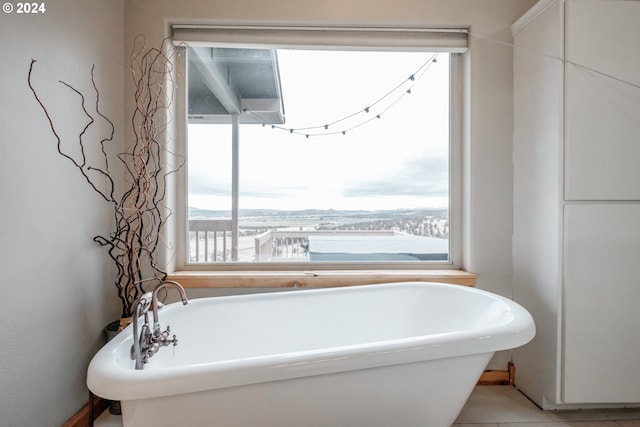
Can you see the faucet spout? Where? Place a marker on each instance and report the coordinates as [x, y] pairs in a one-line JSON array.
[[154, 301]]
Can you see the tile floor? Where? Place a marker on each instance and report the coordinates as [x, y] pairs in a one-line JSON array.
[[107, 420], [504, 406]]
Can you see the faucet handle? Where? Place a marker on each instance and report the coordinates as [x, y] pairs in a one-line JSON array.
[[161, 339], [145, 302]]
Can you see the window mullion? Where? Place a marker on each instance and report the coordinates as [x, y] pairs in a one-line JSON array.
[[235, 187]]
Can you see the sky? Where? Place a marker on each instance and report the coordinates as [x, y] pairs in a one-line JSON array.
[[397, 161]]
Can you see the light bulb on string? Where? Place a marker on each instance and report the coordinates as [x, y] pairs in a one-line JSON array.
[[412, 80]]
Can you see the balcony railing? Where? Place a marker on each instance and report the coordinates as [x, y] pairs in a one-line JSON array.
[[209, 240], [280, 245], [212, 240]]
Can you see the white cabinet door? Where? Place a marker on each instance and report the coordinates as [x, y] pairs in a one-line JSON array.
[[601, 303], [602, 138], [602, 96]]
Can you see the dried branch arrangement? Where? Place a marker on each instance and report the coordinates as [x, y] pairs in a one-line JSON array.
[[138, 197]]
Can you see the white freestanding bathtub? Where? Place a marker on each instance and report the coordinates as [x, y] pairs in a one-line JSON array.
[[402, 354]]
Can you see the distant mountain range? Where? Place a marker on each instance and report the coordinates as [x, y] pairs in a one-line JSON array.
[[207, 213]]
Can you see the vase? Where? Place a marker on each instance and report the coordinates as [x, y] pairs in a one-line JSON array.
[[110, 331]]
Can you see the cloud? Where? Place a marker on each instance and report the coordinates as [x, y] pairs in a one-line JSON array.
[[420, 177], [416, 179], [205, 187]]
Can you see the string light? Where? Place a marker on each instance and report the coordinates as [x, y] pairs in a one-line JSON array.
[[324, 130]]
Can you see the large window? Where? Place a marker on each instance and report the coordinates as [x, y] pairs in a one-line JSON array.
[[330, 156]]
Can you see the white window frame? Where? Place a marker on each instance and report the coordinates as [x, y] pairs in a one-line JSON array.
[[452, 40]]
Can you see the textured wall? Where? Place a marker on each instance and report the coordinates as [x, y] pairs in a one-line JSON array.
[[56, 290]]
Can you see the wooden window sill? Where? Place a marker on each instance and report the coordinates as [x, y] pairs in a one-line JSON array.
[[315, 279]]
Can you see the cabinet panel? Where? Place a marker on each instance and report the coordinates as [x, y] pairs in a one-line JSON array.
[[601, 296], [602, 147], [602, 100], [603, 36]]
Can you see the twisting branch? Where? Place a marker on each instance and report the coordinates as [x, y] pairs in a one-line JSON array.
[[138, 198]]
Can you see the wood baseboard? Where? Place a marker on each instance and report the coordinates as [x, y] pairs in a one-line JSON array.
[[496, 377], [88, 413]]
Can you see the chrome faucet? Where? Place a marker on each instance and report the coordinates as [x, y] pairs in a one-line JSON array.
[[140, 338], [154, 303], [146, 343]]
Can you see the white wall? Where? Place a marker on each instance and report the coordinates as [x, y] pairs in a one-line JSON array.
[[57, 292], [537, 157], [488, 180]]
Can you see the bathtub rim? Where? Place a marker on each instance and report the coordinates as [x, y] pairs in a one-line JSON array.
[[109, 379]]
